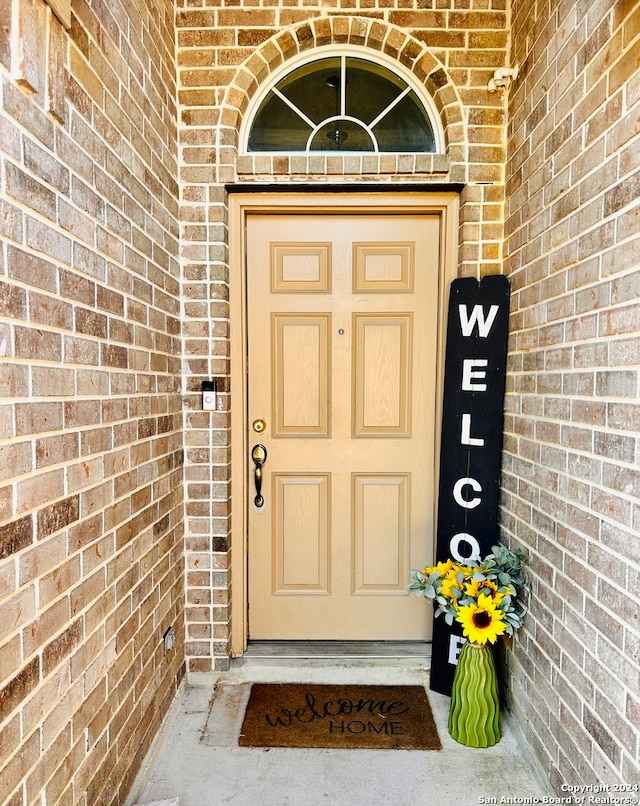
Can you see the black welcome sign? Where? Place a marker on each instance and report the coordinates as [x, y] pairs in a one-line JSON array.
[[475, 367]]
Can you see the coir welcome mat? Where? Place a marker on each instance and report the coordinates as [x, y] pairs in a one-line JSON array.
[[336, 716]]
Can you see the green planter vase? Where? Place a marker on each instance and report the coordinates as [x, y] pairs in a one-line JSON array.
[[474, 715]]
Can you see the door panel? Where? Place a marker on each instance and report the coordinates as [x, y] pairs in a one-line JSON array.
[[300, 534], [301, 383], [383, 267], [382, 375], [300, 267], [342, 334], [380, 534]]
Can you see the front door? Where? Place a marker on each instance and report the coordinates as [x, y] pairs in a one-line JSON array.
[[342, 319]]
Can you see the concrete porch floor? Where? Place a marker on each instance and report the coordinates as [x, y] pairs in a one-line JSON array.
[[196, 759]]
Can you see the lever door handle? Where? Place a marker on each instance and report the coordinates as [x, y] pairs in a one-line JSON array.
[[259, 456]]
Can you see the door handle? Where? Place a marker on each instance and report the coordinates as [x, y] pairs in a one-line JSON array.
[[259, 456]]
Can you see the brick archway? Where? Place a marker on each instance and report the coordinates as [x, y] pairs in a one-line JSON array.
[[371, 35]]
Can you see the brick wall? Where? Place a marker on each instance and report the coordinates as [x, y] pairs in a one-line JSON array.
[[91, 502], [92, 151], [571, 482], [225, 53]]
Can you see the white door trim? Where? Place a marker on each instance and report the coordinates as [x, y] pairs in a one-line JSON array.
[[240, 206]]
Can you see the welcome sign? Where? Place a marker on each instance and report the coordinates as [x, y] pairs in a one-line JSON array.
[[475, 368]]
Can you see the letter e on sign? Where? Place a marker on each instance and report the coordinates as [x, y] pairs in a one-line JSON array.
[[456, 643], [471, 376]]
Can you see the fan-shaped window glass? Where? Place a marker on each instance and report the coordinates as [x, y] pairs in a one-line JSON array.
[[341, 103]]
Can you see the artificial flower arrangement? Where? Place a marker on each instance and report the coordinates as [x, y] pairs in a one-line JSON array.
[[486, 599]]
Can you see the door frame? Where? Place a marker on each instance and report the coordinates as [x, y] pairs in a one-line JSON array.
[[241, 205]]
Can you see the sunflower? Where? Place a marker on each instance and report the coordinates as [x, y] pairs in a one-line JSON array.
[[448, 584], [482, 622], [468, 571], [442, 568], [487, 587]]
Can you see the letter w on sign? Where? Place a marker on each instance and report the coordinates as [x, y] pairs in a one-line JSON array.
[[474, 378]]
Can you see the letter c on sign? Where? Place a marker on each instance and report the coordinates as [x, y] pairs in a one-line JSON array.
[[472, 503]]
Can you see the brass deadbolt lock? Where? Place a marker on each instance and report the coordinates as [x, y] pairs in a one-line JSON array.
[[259, 426]]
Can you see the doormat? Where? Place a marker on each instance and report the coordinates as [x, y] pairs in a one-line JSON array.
[[342, 717]]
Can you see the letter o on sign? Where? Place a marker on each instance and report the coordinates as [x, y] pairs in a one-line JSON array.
[[463, 537]]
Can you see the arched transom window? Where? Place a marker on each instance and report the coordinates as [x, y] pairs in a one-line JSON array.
[[341, 103]]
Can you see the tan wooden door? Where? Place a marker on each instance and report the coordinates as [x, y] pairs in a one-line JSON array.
[[342, 327]]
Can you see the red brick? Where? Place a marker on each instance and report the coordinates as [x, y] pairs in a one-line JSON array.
[[56, 516], [30, 268], [5, 34], [61, 646], [28, 57], [28, 190], [16, 536], [36, 418], [15, 691]]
